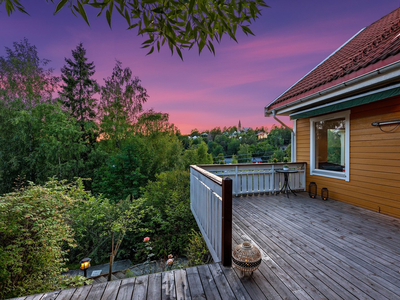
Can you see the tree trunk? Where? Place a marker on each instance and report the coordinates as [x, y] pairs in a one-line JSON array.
[[110, 269]]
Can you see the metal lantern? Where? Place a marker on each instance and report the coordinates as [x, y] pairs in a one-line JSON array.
[[312, 189], [246, 257], [324, 194], [85, 264]]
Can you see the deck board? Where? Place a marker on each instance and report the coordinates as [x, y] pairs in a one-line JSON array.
[[311, 249], [194, 282]]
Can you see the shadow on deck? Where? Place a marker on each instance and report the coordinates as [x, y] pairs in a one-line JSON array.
[[312, 249]]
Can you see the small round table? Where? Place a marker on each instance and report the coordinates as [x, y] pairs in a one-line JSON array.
[[286, 187]]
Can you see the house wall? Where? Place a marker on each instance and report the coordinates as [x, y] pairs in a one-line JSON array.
[[374, 159]]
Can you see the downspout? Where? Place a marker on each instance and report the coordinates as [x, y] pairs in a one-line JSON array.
[[293, 136]]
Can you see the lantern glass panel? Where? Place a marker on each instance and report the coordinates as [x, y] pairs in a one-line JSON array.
[[324, 194], [312, 190]]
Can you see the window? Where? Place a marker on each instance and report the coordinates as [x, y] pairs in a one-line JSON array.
[[329, 145]]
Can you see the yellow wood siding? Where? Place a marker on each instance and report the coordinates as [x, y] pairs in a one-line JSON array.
[[374, 159]]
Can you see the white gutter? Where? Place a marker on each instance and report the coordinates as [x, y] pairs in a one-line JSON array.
[[374, 78]]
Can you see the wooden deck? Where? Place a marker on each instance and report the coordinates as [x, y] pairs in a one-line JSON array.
[[311, 250]]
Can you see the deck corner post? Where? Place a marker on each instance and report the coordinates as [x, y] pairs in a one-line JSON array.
[[226, 246]]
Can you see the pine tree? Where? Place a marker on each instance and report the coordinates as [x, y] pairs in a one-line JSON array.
[[77, 93], [77, 97]]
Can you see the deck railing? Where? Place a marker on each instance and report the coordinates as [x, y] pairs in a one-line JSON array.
[[211, 205], [211, 189], [260, 178]]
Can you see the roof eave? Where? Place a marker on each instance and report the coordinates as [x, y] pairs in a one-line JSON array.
[[370, 80]]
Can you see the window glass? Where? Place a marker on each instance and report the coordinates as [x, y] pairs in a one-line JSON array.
[[330, 145]]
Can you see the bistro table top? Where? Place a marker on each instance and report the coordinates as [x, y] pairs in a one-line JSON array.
[[287, 171]]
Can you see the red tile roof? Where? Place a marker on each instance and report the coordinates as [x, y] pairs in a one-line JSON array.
[[374, 47]]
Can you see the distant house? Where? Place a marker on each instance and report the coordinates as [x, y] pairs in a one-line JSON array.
[[346, 115], [262, 135], [256, 160], [228, 161], [204, 134]]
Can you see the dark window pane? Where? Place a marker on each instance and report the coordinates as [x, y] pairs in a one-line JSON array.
[[330, 145]]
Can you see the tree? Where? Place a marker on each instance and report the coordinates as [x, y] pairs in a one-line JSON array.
[[182, 24], [38, 144], [234, 159], [197, 155], [194, 132], [244, 153], [24, 77], [122, 98], [77, 93], [77, 96], [214, 132], [124, 172], [36, 139]]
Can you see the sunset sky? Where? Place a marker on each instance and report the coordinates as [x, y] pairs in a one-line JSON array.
[[204, 91]]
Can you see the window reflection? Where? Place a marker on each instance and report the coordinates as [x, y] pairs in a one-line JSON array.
[[330, 145]]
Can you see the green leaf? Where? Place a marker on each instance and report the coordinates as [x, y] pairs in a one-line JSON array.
[[212, 47], [151, 51], [60, 5], [108, 17], [82, 12], [191, 5], [132, 26], [179, 52], [158, 10], [201, 45]]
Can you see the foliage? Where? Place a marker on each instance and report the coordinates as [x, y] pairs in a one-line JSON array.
[[24, 77], [278, 156], [244, 153], [37, 144], [182, 24], [197, 155], [79, 88], [33, 229], [124, 173], [121, 101], [234, 159], [74, 281], [197, 251], [169, 195]]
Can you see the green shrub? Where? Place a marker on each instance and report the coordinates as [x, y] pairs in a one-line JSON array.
[[170, 197], [33, 230], [75, 281], [197, 251]]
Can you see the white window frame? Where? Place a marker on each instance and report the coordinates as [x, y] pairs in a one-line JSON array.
[[326, 173]]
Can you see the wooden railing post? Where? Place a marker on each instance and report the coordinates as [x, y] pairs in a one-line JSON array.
[[226, 247]]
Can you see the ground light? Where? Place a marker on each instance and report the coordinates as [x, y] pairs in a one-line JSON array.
[[85, 264]]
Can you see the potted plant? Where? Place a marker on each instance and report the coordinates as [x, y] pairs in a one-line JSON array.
[[285, 167]]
